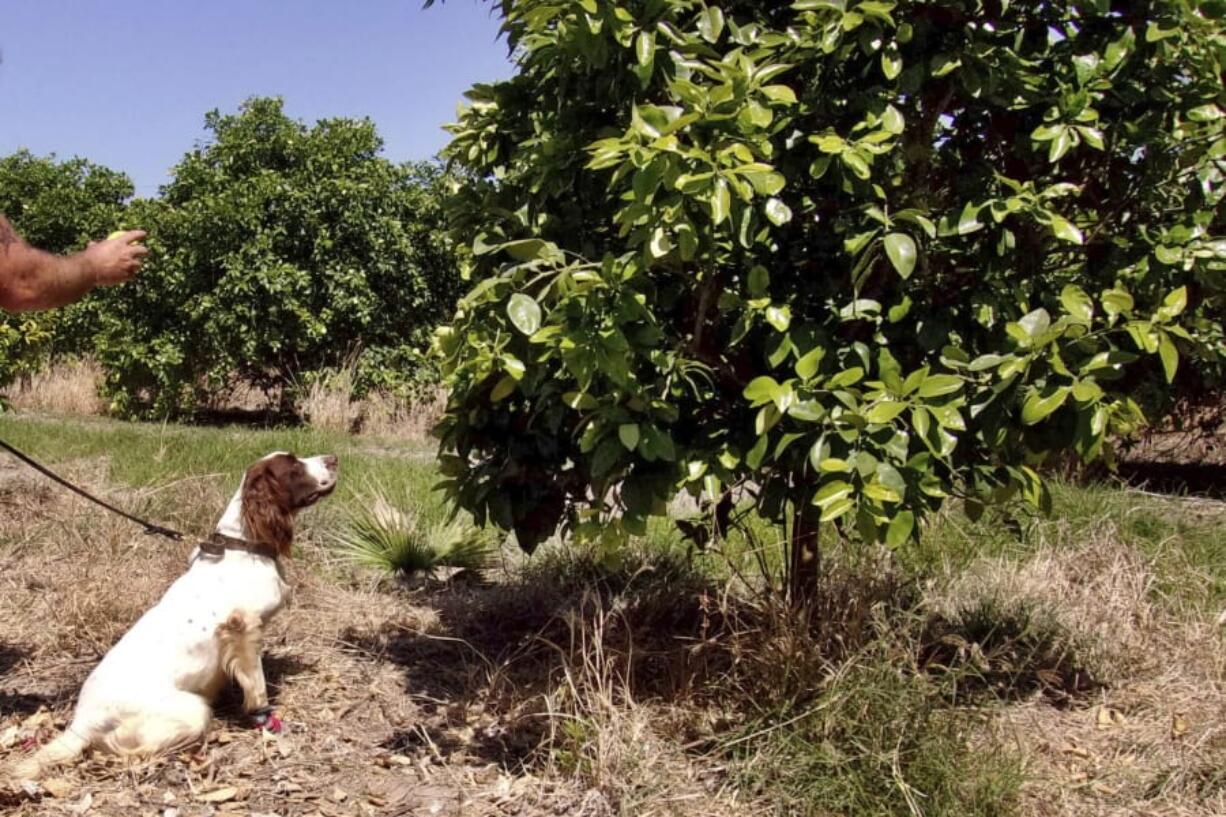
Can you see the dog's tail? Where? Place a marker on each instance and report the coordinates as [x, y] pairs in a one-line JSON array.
[[67, 746]]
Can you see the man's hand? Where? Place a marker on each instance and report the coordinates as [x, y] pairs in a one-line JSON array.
[[117, 259], [31, 279]]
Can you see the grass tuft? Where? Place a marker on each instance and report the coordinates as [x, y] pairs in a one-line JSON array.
[[397, 536]]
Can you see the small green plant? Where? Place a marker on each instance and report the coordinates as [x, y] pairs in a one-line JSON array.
[[392, 534]]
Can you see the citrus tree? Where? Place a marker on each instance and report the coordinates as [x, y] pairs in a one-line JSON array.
[[850, 258], [278, 250], [57, 206]]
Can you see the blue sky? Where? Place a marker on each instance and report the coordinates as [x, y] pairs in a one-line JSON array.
[[126, 83]]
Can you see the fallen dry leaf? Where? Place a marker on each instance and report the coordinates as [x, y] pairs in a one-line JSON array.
[[218, 795], [1074, 750], [58, 786], [83, 805], [1108, 717]]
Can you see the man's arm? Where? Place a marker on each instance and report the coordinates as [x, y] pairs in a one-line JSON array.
[[31, 279]]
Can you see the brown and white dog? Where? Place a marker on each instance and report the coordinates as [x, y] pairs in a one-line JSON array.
[[153, 691]]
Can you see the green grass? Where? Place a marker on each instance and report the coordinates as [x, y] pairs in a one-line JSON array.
[[877, 741], [151, 456], [1183, 541]]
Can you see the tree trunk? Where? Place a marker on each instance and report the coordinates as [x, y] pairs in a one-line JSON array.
[[805, 565]]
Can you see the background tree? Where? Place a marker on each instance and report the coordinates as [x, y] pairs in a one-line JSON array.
[[855, 258], [57, 206], [279, 250]]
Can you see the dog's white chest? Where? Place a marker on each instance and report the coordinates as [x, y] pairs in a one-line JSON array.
[[215, 588]]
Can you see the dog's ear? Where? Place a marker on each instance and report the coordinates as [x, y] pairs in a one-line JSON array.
[[267, 515]]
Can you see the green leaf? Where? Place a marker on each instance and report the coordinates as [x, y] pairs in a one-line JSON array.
[[985, 362], [779, 317], [528, 249], [660, 244], [892, 121], [628, 433], [900, 529], [759, 281], [605, 457], [1117, 302], [524, 313], [1035, 323], [833, 465], [847, 377], [645, 48], [768, 416], [1170, 357], [1065, 229], [885, 412], [780, 93], [1077, 303], [900, 248], [879, 492], [939, 385], [1060, 145], [761, 390], [711, 23], [503, 389], [778, 212], [819, 453], [968, 221], [721, 202], [580, 401], [1045, 133], [836, 509], [514, 366], [659, 444], [1175, 303], [855, 162], [1086, 391], [1092, 137], [832, 492], [807, 411], [891, 62], [754, 458], [1039, 405], [807, 365]]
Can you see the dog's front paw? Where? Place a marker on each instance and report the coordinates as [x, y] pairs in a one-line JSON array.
[[267, 720]]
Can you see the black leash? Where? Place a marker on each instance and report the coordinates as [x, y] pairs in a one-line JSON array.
[[149, 527]]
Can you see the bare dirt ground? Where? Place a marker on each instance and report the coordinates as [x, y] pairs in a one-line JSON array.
[[389, 707]]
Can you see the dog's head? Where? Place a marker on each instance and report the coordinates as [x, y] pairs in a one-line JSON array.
[[277, 487]]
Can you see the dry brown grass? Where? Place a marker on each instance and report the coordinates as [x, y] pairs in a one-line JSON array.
[[388, 708], [1152, 739], [71, 388], [65, 387], [329, 405], [555, 690]]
